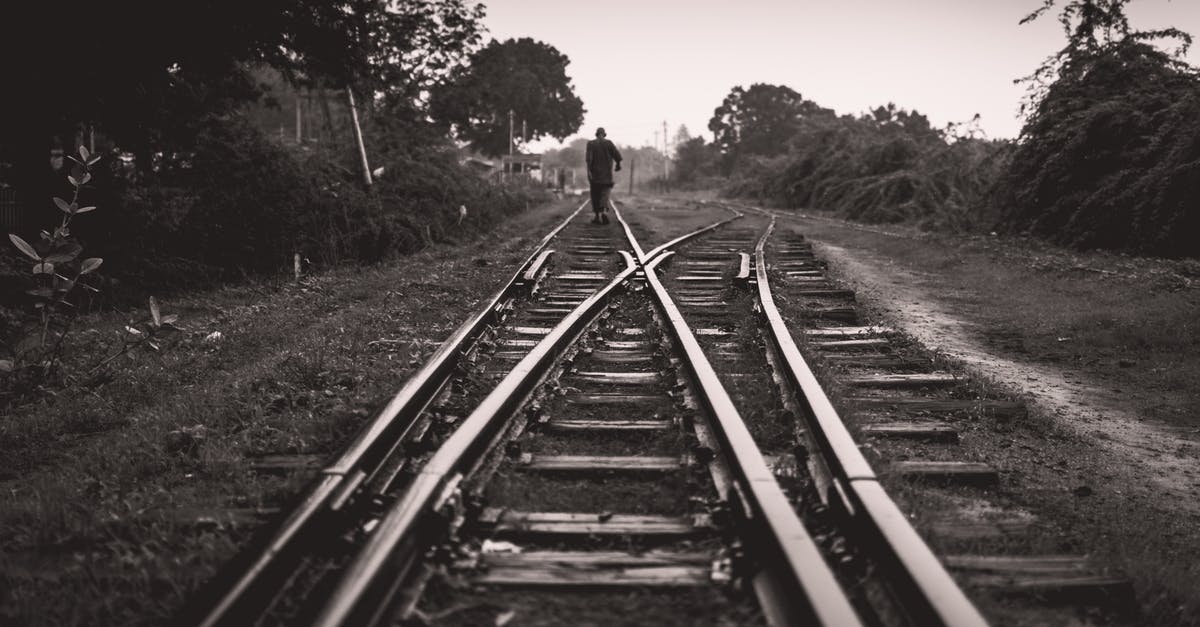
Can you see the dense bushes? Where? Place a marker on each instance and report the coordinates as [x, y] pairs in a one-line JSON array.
[[888, 166], [1111, 156], [242, 203]]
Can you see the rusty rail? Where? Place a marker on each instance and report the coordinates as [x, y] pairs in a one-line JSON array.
[[804, 589], [928, 593]]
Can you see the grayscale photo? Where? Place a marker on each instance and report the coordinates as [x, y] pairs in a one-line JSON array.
[[512, 313]]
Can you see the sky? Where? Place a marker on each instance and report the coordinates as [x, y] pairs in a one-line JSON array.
[[638, 63]]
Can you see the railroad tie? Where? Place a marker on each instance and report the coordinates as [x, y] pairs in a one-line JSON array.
[[1007, 409], [603, 463], [826, 293], [609, 424], [946, 472], [845, 332], [512, 523], [924, 431], [581, 277], [622, 356], [803, 273], [632, 345], [519, 330], [516, 342], [952, 529], [597, 569], [1061, 577], [895, 381], [617, 378], [841, 314], [871, 360]]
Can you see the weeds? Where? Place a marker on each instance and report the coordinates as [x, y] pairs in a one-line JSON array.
[[56, 271]]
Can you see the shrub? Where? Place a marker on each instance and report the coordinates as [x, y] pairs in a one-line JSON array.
[[241, 204], [1111, 156], [888, 166]]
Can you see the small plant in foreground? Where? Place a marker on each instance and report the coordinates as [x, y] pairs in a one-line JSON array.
[[57, 271], [147, 333]]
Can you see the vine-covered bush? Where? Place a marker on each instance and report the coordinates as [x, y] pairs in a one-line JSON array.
[[1111, 156], [888, 166]]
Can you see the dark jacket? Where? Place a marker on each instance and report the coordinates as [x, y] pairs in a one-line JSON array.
[[601, 155]]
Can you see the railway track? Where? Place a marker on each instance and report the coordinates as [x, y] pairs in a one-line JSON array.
[[603, 444]]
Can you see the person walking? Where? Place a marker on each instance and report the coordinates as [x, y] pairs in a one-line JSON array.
[[601, 156]]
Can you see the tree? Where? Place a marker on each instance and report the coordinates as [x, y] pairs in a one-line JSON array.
[[1092, 27], [155, 70], [693, 159], [415, 45], [682, 135], [1109, 155], [759, 120], [524, 76]]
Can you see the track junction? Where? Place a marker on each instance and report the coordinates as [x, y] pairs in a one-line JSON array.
[[631, 435]]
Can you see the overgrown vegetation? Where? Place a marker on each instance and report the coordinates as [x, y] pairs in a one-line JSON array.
[[1109, 156], [887, 166], [193, 187], [246, 204]]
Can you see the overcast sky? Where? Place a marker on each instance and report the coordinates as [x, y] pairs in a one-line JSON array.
[[636, 63]]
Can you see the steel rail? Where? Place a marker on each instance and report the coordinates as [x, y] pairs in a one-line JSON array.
[[357, 463], [361, 596], [644, 257], [394, 540], [927, 592], [811, 593]]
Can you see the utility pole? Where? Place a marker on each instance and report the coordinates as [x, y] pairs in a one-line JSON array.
[[632, 169], [666, 155], [510, 132], [299, 115], [362, 149]]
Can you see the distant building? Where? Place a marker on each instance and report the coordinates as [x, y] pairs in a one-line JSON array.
[[522, 165]]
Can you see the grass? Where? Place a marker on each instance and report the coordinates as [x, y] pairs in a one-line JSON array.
[[120, 499]]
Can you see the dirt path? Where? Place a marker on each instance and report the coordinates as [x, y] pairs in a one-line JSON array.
[[1168, 456]]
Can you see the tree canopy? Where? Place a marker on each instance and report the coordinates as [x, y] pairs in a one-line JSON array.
[[524, 76], [753, 121], [145, 73]]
